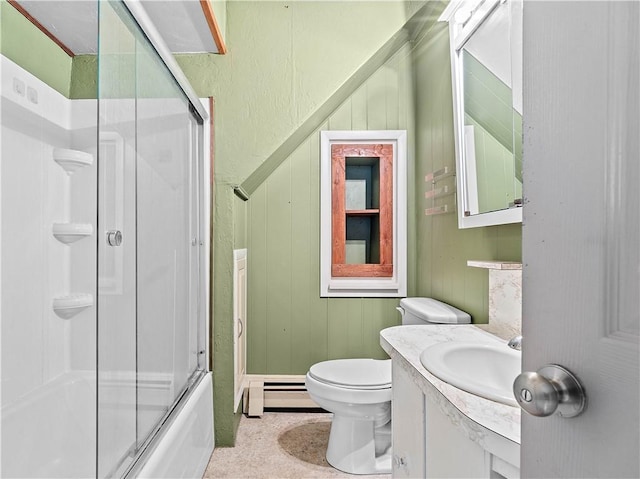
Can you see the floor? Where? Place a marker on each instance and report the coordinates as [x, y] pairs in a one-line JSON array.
[[278, 445]]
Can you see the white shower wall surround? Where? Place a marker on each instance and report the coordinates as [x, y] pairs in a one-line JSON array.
[[36, 193], [66, 406], [48, 364]]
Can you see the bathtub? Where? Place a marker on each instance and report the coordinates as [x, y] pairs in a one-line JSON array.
[[52, 433], [186, 444]]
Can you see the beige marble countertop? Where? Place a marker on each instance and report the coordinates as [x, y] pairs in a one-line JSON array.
[[501, 265], [476, 414]]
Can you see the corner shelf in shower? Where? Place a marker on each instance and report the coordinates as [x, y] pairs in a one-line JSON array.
[[68, 306], [71, 232], [72, 160]]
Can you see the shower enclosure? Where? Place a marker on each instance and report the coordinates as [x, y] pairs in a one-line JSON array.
[[103, 301]]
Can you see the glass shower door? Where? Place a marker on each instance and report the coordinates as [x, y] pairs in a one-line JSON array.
[[168, 241], [117, 253], [150, 322]]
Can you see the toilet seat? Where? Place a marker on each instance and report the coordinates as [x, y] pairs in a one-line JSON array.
[[358, 393], [360, 374]]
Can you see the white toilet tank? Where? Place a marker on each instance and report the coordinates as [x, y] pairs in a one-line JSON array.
[[428, 310]]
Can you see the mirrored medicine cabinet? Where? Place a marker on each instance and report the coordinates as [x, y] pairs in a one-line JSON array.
[[486, 67]]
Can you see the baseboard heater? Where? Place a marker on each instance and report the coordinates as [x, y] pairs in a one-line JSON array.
[[272, 391]]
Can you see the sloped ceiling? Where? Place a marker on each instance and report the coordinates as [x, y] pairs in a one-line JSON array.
[[182, 25], [73, 23]]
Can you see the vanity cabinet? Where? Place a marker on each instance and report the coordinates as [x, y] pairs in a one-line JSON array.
[[407, 423], [426, 443], [449, 453], [440, 431], [429, 443]]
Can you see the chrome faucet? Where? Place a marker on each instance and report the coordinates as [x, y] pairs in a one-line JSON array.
[[515, 343]]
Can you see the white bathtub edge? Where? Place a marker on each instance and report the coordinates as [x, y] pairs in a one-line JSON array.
[[185, 448]]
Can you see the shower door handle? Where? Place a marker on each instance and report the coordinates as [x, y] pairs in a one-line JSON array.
[[114, 238]]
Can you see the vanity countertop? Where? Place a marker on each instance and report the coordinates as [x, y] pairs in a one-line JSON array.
[[405, 344]]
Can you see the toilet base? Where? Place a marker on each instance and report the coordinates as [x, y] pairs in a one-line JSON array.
[[356, 446]]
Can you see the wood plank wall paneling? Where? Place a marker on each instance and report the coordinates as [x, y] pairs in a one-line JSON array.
[[257, 279], [359, 109], [406, 116], [341, 118], [290, 327], [318, 324], [301, 280], [279, 267], [392, 100]]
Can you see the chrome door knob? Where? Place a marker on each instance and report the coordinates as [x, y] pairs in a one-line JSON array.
[[552, 389], [114, 238]]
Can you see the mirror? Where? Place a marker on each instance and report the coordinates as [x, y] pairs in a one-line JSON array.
[[487, 72]]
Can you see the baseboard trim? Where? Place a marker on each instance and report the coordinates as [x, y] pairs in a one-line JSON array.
[[272, 391]]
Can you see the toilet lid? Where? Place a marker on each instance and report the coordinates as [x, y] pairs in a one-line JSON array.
[[354, 373]]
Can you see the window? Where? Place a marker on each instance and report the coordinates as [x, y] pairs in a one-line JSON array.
[[363, 213]]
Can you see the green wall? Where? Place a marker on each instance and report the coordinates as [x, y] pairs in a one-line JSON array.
[[285, 59], [289, 326], [84, 77], [498, 185], [442, 248], [27, 46]]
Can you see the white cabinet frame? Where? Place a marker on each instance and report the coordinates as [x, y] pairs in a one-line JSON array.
[[396, 285]]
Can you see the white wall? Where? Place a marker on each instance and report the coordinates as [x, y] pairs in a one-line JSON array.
[[35, 267], [82, 209]]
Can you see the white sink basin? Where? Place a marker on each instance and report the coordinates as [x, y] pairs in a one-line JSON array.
[[486, 370]]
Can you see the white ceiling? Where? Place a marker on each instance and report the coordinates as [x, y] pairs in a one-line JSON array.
[[181, 23], [74, 23]]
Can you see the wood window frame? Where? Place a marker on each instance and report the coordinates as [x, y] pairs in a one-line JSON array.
[[340, 152], [387, 277]]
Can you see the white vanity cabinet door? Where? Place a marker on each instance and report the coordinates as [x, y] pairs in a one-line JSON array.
[[407, 425], [449, 452]]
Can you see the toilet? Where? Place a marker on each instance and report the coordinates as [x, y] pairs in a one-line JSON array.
[[358, 393]]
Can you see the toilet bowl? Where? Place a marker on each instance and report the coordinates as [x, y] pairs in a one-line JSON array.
[[358, 393]]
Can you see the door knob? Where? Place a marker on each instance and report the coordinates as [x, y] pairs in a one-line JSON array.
[[549, 390], [114, 238]]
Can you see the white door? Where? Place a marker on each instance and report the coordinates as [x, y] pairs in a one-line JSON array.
[[581, 236], [239, 324]]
